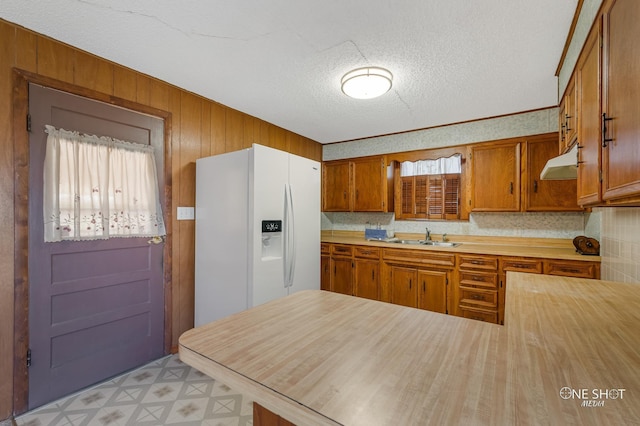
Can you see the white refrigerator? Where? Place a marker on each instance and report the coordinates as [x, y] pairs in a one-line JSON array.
[[257, 224]]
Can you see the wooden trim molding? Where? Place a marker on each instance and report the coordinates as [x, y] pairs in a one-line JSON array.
[[21, 80]]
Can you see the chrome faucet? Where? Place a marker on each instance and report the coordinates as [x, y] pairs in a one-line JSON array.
[[428, 235]]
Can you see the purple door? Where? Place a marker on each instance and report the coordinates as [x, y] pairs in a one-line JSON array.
[[96, 308]]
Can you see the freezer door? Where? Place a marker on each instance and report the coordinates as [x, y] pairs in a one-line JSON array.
[[304, 182], [269, 181], [222, 239]]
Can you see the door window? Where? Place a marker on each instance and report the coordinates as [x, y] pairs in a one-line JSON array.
[[99, 188]]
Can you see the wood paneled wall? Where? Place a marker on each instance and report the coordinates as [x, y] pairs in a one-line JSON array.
[[198, 127]]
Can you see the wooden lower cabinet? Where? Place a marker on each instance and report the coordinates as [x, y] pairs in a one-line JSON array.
[[421, 279], [402, 284], [325, 266], [419, 288], [432, 290], [478, 287], [418, 279], [342, 269], [264, 417], [366, 272], [572, 269]]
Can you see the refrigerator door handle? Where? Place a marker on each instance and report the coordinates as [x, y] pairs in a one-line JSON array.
[[292, 238], [285, 239], [289, 237]]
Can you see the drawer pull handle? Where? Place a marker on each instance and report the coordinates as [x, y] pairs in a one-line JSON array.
[[477, 262], [573, 271], [477, 297], [476, 278], [478, 318]]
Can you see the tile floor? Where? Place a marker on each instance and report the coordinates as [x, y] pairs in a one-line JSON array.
[[164, 392]]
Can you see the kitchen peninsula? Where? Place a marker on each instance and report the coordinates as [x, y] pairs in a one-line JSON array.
[[317, 357]]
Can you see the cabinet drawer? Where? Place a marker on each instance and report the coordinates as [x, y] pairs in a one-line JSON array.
[[485, 263], [533, 266], [341, 250], [419, 257], [479, 298], [367, 252], [325, 248], [478, 279], [479, 315], [571, 269]]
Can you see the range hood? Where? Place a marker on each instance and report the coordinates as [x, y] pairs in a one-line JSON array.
[[564, 166]]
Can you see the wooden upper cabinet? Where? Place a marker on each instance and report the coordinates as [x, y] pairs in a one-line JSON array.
[[369, 184], [336, 188], [589, 124], [359, 185], [568, 117], [546, 195], [496, 177], [620, 105]]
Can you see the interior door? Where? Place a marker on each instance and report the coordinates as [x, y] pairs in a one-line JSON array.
[[96, 308]]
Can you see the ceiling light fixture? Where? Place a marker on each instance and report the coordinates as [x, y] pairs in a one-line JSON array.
[[366, 83]]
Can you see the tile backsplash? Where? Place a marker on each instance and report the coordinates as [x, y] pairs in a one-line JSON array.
[[538, 225], [620, 243]]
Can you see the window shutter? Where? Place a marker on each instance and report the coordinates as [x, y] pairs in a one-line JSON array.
[[407, 197], [436, 197], [421, 194], [451, 196]]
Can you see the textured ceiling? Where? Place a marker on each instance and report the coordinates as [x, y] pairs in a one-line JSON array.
[[282, 61]]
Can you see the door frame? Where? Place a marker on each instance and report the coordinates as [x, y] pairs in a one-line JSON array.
[[21, 80]]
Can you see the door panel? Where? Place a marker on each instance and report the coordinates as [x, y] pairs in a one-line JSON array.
[[96, 308], [621, 90]]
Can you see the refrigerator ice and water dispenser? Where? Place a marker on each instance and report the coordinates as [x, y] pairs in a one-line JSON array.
[[271, 239]]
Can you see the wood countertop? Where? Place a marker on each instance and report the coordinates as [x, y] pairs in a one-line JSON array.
[[520, 247], [576, 335], [321, 358]]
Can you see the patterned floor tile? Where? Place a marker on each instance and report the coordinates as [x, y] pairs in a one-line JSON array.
[[164, 392]]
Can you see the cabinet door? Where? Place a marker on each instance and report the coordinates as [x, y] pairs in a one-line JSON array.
[[432, 288], [547, 195], [325, 272], [496, 177], [369, 185], [336, 194], [621, 68], [342, 279], [367, 278], [404, 289], [589, 124], [570, 116]]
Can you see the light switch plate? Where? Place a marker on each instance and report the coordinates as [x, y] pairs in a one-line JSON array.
[[186, 213]]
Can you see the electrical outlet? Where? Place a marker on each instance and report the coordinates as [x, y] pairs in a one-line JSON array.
[[186, 213]]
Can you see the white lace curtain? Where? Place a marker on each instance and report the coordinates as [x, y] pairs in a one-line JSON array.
[[98, 188], [441, 166]]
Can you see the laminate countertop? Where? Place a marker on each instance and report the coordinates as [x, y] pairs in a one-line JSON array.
[[542, 248], [321, 358]]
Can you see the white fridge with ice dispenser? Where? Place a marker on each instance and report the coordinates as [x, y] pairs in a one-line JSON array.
[[257, 226]]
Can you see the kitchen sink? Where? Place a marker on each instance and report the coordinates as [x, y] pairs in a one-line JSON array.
[[440, 243], [417, 242]]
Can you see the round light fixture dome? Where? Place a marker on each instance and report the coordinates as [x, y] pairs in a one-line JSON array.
[[366, 83]]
